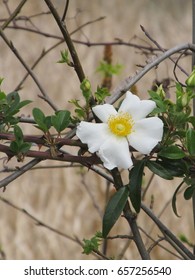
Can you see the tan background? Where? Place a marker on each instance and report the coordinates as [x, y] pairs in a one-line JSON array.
[[59, 197]]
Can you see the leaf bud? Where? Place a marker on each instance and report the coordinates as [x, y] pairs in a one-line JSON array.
[[191, 79]]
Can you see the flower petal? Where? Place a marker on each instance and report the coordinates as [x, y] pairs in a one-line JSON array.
[[104, 111], [147, 133], [137, 108], [115, 153], [94, 135]]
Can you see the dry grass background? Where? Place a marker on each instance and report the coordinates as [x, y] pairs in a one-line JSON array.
[[59, 197]]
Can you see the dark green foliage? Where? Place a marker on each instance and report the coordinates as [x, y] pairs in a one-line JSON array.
[[114, 209]]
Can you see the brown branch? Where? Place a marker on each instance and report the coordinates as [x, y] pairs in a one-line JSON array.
[[131, 218], [127, 83], [40, 140], [77, 65], [14, 14], [170, 237], [28, 69], [86, 161], [160, 48]]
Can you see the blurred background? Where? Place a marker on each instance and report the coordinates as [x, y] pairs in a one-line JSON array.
[[70, 199]]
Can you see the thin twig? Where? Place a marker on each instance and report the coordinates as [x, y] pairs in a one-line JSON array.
[[31, 73], [75, 239], [18, 173], [160, 245], [127, 83], [167, 233], [77, 65], [131, 218], [65, 10], [88, 189], [14, 14], [162, 49]]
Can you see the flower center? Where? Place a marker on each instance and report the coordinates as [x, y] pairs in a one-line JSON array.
[[121, 124]]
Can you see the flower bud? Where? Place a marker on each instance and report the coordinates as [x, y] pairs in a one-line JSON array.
[[85, 85], [191, 79], [184, 100], [160, 91]]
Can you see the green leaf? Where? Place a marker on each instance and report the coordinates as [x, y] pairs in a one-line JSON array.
[[14, 147], [91, 244], [177, 168], [61, 120], [18, 134], [23, 103], [39, 118], [189, 192], [13, 100], [114, 209], [25, 147], [190, 141], [135, 177], [101, 94], [161, 104], [174, 207], [2, 95], [159, 170], [108, 69], [172, 152]]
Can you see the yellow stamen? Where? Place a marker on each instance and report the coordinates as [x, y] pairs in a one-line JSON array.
[[121, 124]]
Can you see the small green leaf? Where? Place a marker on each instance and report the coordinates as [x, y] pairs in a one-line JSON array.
[[109, 69], [18, 134], [135, 177], [39, 118], [2, 95], [23, 103], [189, 192], [65, 58], [101, 94], [190, 141], [61, 120], [14, 147], [91, 244], [159, 170], [176, 167], [13, 100], [114, 209], [172, 152], [25, 147]]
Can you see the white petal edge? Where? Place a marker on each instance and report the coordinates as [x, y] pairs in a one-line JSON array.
[[137, 108], [103, 112], [147, 133], [92, 134], [115, 153]]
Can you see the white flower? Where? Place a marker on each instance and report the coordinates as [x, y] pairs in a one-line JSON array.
[[111, 138]]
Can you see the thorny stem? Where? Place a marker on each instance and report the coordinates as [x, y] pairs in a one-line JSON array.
[[131, 218]]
